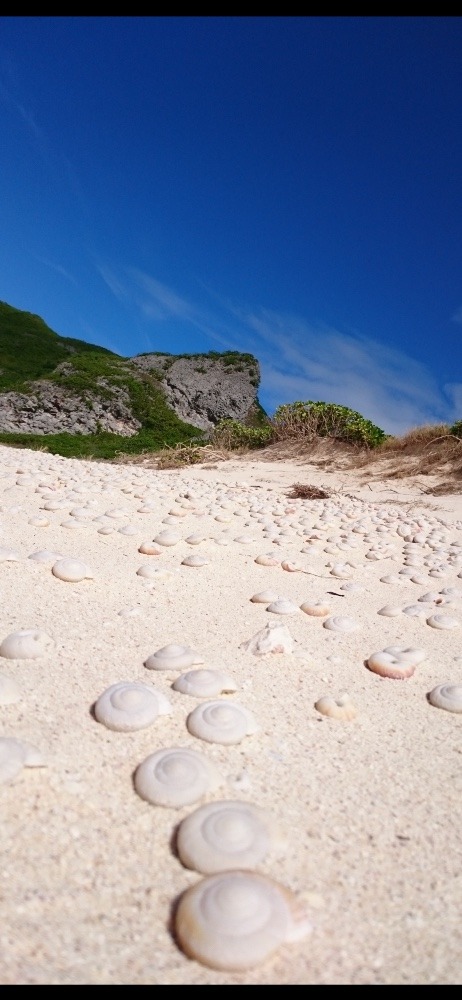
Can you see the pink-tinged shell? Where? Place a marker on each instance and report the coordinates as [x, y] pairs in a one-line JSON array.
[[315, 608], [394, 662], [235, 920], [267, 560], [336, 708]]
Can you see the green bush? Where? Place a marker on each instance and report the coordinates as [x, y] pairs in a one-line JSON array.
[[319, 419], [232, 434], [456, 429]]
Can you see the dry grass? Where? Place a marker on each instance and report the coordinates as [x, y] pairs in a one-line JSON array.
[[305, 491], [176, 457], [424, 451]]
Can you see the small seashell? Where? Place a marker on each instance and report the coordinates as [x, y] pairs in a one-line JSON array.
[[27, 644], [222, 722], [352, 588], [443, 622], [340, 708], [341, 624], [195, 561], [45, 556], [342, 570], [39, 522], [390, 610], [14, 755], [273, 638], [150, 549], [71, 570], [171, 657], [291, 567], [447, 696], [414, 611], [195, 539], [396, 662], [167, 538], [267, 560], [224, 835], [205, 683], [10, 692], [235, 920], [128, 706], [9, 555], [264, 597], [315, 608], [175, 777], [433, 597], [283, 607]]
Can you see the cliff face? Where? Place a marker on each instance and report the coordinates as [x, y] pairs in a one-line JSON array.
[[203, 389]]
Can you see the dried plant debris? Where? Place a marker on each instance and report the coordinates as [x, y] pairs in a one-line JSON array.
[[306, 491]]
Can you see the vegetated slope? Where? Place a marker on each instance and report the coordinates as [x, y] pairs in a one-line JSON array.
[[76, 398]]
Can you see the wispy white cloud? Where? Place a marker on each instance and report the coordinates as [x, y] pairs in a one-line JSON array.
[[302, 361], [58, 268], [386, 385]]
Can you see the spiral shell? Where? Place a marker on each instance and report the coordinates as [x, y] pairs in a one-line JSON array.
[[447, 696], [221, 722], [71, 570], [175, 777], [340, 708], [235, 920], [283, 607], [443, 622], [194, 561], [171, 657], [340, 624], [128, 706], [223, 835], [264, 597], [27, 644], [205, 683]]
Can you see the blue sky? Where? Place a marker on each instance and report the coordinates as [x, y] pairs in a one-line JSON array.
[[291, 187]]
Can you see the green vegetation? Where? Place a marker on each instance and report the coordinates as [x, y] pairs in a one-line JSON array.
[[456, 429], [319, 419], [232, 434]]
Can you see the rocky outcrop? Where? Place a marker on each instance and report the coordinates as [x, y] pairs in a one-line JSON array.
[[204, 389], [50, 409], [200, 388]]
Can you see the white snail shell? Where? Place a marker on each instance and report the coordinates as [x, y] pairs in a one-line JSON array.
[[283, 607], [128, 706], [443, 622], [235, 920], [447, 696], [223, 835], [71, 570], [10, 692], [205, 683], [175, 777], [340, 624], [171, 657], [27, 644], [264, 597], [222, 722]]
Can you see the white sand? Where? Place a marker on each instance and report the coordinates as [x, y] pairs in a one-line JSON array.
[[371, 808]]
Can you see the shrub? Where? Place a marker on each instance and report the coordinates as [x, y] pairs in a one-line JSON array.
[[319, 419], [456, 429], [232, 434]]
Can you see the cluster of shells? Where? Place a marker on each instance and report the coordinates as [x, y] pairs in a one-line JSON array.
[[235, 916]]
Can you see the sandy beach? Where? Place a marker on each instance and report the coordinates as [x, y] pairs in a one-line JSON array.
[[367, 810]]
